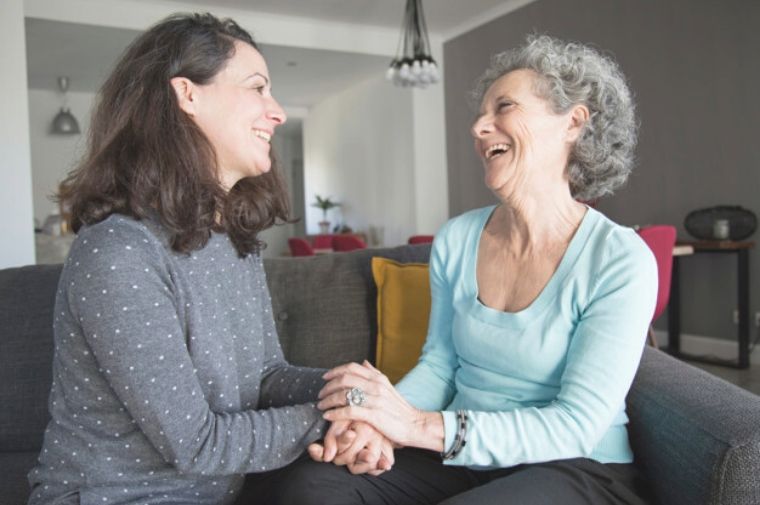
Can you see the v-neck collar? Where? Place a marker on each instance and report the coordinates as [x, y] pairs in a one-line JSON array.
[[549, 291]]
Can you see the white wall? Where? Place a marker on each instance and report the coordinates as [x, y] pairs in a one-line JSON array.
[[359, 149], [53, 156], [16, 225], [286, 149], [431, 196]]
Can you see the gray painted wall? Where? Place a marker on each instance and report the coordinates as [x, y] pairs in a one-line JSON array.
[[694, 66]]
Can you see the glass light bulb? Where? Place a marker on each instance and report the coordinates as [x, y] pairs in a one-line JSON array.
[[434, 72], [416, 67]]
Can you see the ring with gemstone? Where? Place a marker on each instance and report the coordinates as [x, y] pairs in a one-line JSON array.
[[355, 397]]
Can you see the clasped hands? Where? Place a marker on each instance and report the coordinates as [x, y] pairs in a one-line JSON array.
[[363, 437]]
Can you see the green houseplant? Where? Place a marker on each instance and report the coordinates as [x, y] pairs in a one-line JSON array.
[[325, 204]]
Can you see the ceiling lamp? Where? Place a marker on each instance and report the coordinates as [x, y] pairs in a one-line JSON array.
[[415, 65], [64, 122]]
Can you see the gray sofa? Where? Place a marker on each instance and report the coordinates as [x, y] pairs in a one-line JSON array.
[[696, 437]]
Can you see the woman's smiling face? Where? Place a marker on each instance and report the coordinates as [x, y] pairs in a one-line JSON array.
[[238, 114], [520, 140]]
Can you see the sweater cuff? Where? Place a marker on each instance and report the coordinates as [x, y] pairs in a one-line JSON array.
[[449, 429]]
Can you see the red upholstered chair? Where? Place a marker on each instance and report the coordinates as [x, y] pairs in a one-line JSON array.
[[420, 239], [323, 241], [661, 239], [300, 247], [345, 243]]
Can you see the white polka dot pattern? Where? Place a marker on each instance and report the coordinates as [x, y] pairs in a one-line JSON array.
[[161, 360]]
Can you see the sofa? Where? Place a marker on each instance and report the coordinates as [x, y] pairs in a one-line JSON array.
[[695, 436]]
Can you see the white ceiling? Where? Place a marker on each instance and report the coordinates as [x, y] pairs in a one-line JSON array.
[[442, 16]]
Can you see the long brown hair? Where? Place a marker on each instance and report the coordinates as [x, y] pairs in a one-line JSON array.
[[144, 154]]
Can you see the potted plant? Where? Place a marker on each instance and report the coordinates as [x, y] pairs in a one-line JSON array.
[[325, 204]]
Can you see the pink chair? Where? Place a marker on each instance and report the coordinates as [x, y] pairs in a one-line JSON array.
[[420, 239], [345, 243], [323, 241], [300, 247], [661, 239]]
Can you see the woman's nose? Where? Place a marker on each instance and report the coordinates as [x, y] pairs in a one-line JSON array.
[[482, 126], [276, 113]]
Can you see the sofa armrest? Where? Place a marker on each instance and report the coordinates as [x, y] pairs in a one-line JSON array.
[[695, 436]]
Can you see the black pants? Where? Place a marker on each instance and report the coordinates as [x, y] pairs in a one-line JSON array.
[[418, 477]]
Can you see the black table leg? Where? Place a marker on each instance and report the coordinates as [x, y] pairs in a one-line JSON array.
[[743, 283], [674, 310]]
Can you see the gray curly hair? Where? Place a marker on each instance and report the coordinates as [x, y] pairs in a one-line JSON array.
[[571, 73]]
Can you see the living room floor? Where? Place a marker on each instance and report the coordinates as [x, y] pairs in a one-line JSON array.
[[749, 378]]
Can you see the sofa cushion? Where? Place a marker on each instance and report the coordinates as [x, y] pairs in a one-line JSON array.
[[403, 311], [26, 354], [325, 306], [696, 437]]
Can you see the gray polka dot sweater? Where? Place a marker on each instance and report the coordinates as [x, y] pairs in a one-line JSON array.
[[169, 382]]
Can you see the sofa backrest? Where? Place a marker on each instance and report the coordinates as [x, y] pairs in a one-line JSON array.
[[695, 436], [27, 296], [324, 307]]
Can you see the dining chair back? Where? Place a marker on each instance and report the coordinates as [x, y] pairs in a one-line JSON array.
[[661, 239], [323, 241], [300, 247], [345, 243], [420, 239]]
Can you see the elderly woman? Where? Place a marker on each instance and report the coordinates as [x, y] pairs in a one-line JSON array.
[[539, 315]]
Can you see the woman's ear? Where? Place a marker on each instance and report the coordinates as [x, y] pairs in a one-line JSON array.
[[578, 117], [187, 94]]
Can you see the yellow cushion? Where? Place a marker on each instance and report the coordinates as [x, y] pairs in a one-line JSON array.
[[403, 309]]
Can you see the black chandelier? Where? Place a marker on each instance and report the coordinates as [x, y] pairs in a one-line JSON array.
[[414, 65]]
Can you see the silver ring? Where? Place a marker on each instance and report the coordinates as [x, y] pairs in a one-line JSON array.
[[355, 397]]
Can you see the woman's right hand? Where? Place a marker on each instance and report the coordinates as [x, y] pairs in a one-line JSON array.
[[357, 445], [383, 407]]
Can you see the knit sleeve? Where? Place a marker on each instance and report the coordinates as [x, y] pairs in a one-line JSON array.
[[283, 383], [122, 292], [430, 384], [602, 359]]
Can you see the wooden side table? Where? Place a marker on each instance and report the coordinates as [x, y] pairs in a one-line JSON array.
[[741, 250]]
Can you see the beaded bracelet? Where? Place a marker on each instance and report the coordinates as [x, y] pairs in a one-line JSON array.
[[459, 438]]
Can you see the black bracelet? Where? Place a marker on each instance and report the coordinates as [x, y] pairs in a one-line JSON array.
[[459, 438]]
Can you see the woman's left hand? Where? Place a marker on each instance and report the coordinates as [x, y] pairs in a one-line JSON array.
[[358, 446], [384, 408]]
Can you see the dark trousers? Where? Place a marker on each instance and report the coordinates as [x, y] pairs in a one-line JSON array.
[[418, 477]]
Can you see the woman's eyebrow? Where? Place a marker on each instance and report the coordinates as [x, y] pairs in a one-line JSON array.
[[257, 74]]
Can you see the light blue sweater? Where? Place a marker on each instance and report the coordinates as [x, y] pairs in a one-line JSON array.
[[548, 382]]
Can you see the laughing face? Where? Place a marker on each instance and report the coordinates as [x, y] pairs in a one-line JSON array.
[[237, 113], [523, 144]]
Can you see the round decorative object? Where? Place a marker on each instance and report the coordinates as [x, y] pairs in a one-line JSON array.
[[724, 222], [355, 397]]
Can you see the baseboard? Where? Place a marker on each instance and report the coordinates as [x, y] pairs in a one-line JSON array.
[[708, 346]]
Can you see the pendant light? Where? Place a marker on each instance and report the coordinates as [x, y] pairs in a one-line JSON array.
[[414, 65], [64, 122]]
